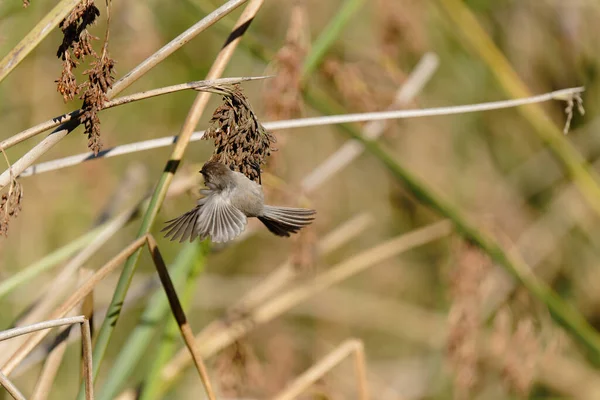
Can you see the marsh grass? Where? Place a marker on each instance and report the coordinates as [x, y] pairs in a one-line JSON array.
[[312, 77]]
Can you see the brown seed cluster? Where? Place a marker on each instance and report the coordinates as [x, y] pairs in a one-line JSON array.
[[10, 205], [464, 321], [359, 87], [283, 97], [304, 251], [401, 27], [76, 45], [239, 371], [241, 142], [100, 79], [518, 351]]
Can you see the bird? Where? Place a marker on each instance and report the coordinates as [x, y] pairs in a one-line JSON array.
[[229, 200]]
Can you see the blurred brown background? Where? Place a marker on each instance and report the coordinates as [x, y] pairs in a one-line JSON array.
[[490, 164]]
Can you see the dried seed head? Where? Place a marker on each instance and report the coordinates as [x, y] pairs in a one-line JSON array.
[[283, 98], [100, 79], [67, 84], [239, 372], [304, 252], [241, 142], [464, 317], [401, 26], [10, 205], [518, 351], [363, 86], [76, 45]]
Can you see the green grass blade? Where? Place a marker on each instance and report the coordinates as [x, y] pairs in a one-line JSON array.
[[329, 35], [49, 261]]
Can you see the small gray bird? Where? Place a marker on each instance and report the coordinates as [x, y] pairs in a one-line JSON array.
[[229, 200]]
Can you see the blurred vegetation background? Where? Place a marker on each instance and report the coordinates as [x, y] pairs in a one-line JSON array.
[[418, 313]]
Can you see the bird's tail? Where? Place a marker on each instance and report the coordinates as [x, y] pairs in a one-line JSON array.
[[284, 220]]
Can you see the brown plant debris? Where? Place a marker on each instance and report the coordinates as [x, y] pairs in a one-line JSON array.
[[76, 45], [518, 351], [569, 110], [359, 87], [241, 142], [304, 251], [100, 79], [239, 371], [464, 317], [10, 205], [25, 3], [401, 27], [283, 97]]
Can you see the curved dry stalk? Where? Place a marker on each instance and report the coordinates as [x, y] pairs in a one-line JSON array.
[[83, 291], [319, 369], [61, 284], [61, 119], [71, 302], [351, 149], [24, 330], [45, 326]]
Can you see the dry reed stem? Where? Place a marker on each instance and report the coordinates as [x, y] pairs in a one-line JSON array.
[[229, 332], [24, 330], [303, 123], [61, 119], [87, 310], [86, 344], [62, 283], [71, 302], [47, 143], [319, 369], [45, 326], [10, 387], [179, 314], [56, 352], [82, 292], [87, 305]]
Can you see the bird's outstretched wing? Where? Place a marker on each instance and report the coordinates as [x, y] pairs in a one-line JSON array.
[[214, 216]]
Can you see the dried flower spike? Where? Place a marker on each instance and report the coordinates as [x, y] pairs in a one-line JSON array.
[[576, 97], [76, 45], [283, 96], [241, 142], [464, 318], [10, 205], [100, 79]]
